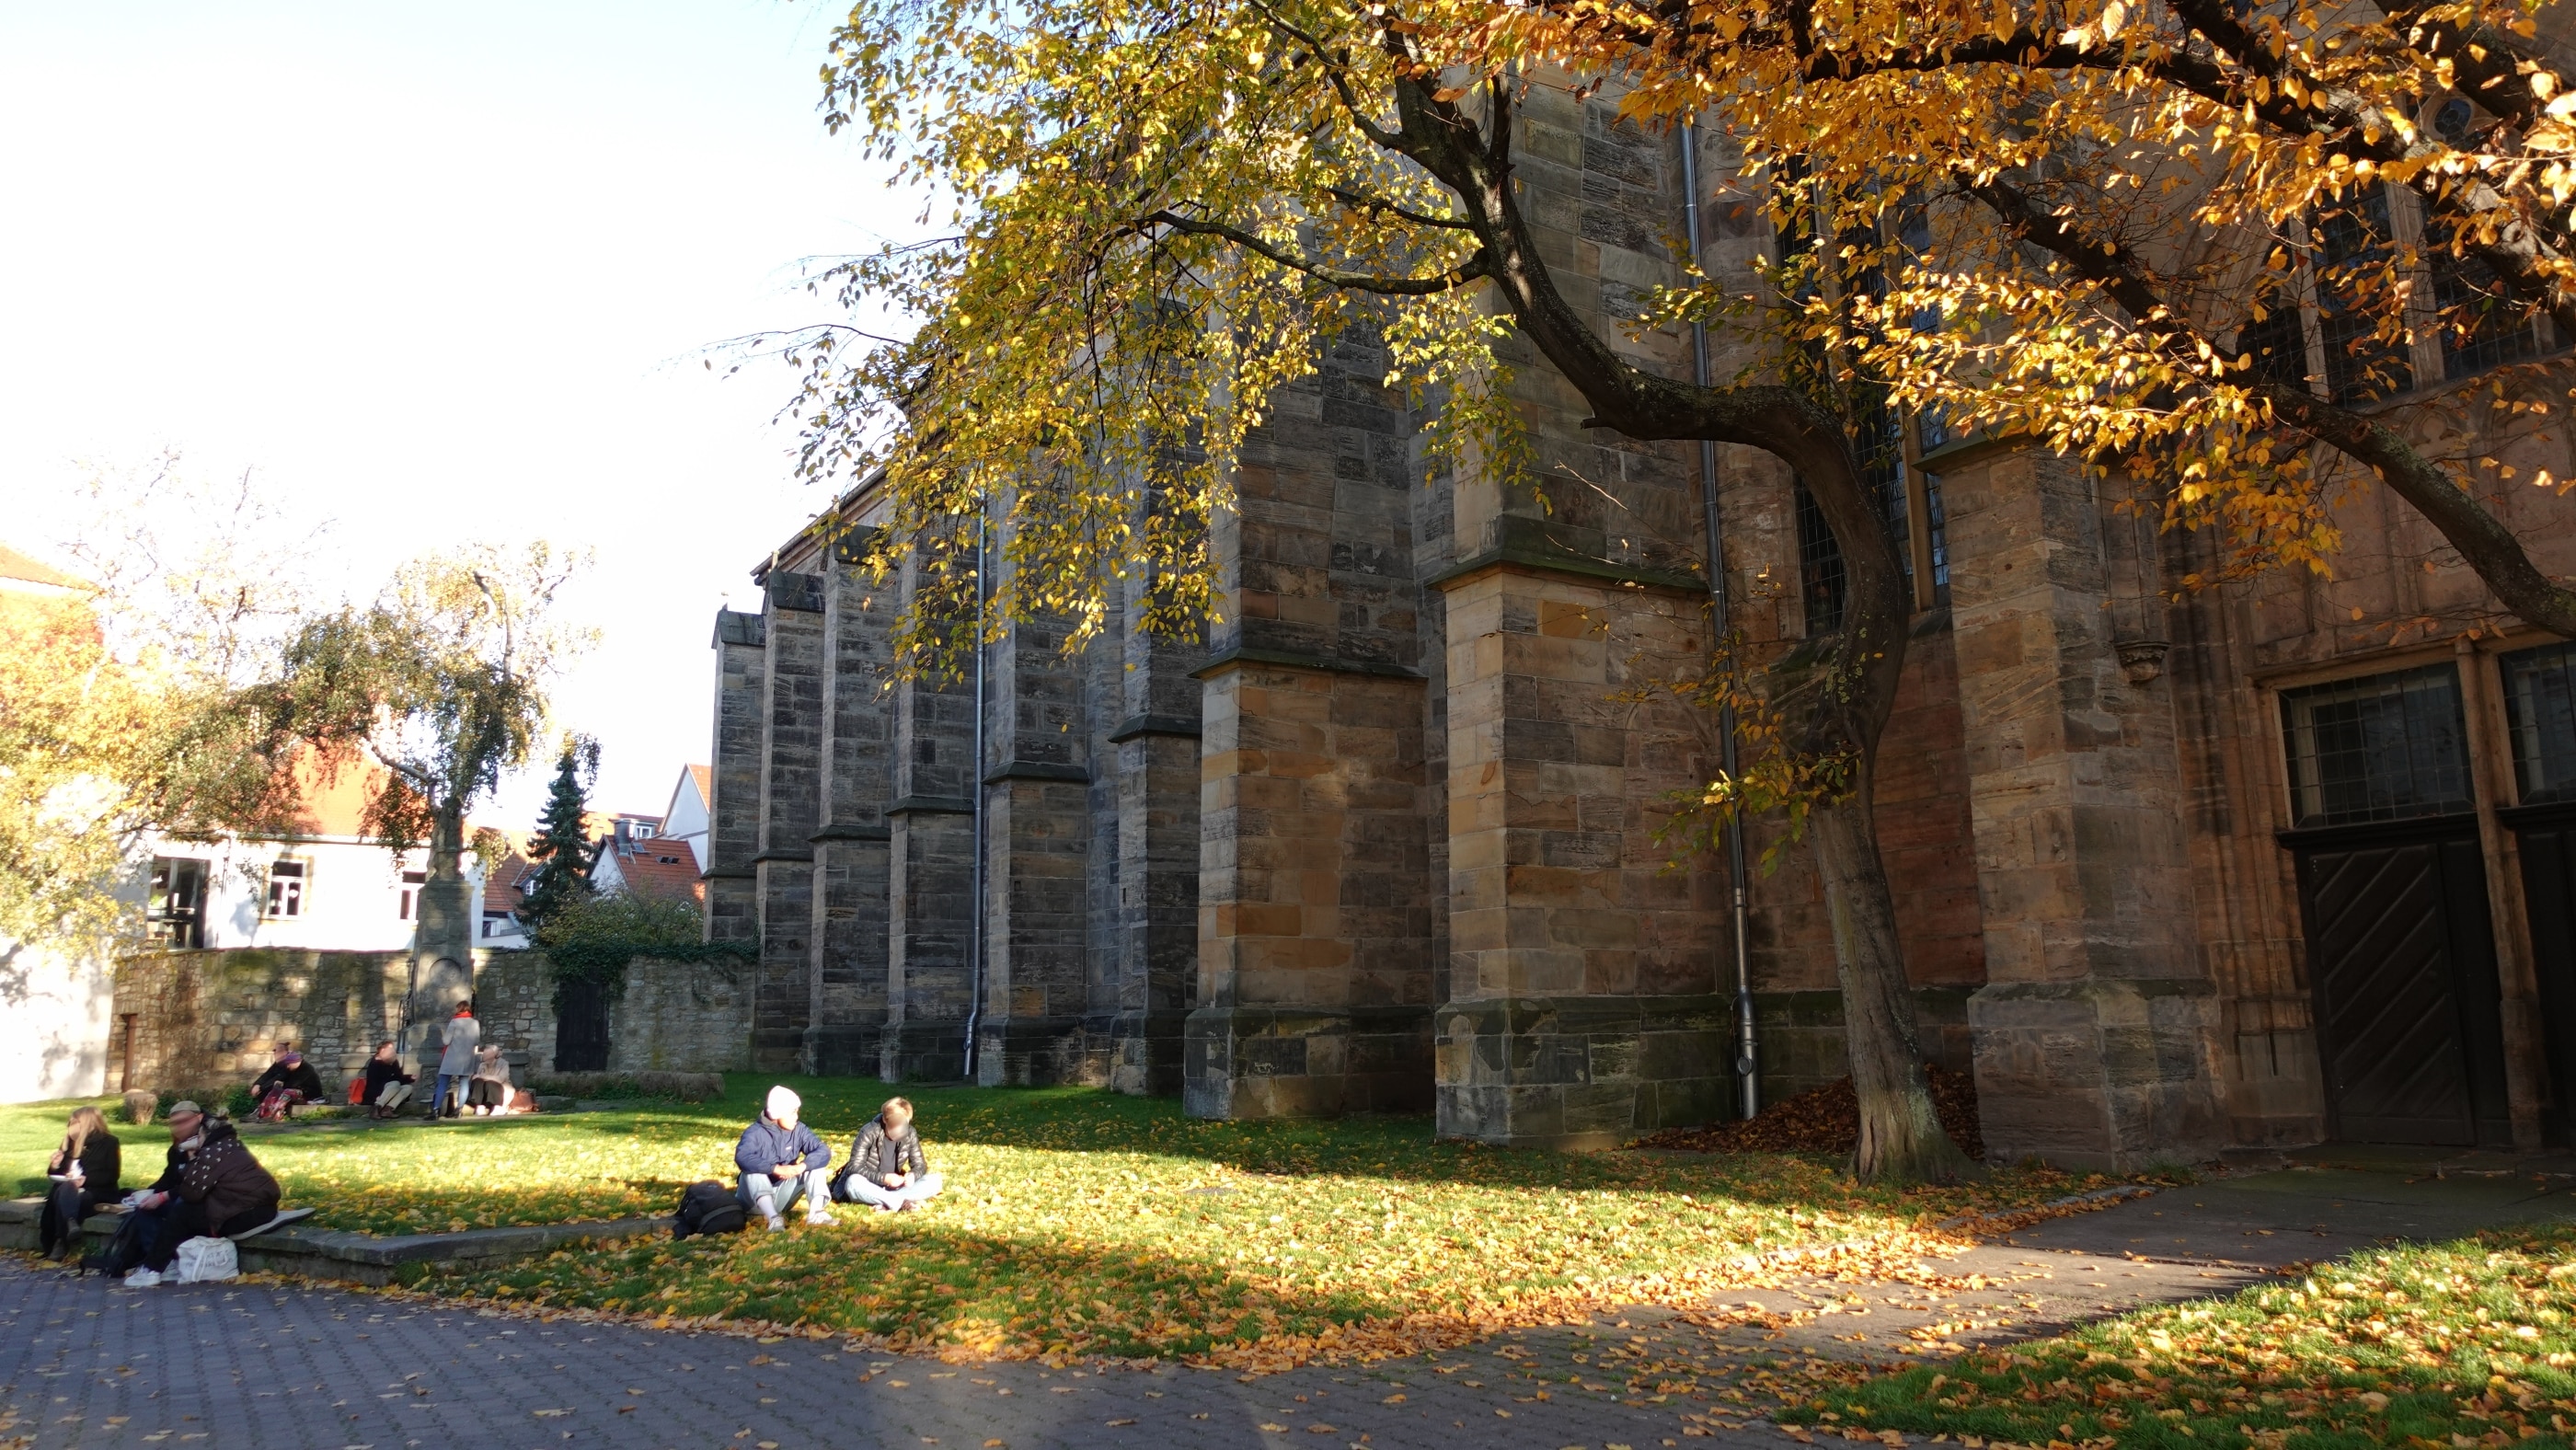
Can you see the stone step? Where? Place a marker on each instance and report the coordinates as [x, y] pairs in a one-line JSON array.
[[356, 1258]]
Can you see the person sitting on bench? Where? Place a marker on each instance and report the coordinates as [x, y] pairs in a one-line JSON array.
[[81, 1175], [488, 1090], [387, 1086], [886, 1166], [782, 1161], [213, 1188], [288, 1081]]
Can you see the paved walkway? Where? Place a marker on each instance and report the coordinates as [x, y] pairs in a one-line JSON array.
[[282, 1367]]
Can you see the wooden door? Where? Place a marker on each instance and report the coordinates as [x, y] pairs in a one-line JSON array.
[[581, 1026], [2546, 836], [2401, 961]]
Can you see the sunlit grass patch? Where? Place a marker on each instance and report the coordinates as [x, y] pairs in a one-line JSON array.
[[1085, 1222], [2460, 1344]]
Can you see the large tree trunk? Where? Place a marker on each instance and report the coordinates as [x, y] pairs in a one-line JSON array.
[[1900, 1134]]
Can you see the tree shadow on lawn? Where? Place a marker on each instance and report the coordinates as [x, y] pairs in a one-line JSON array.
[[1374, 1146], [924, 1285], [1336, 1157]]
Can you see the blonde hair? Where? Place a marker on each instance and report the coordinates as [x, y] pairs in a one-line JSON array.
[[896, 1105], [84, 1121]]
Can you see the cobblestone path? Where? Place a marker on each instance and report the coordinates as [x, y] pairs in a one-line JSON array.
[[287, 1367]]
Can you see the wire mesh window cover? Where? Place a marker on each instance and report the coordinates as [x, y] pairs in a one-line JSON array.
[[1822, 579], [2278, 344], [2481, 326], [1937, 524], [2540, 714], [2382, 748], [2352, 239]]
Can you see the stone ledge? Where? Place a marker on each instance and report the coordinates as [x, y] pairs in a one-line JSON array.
[[1330, 664], [1039, 770], [1523, 559], [1136, 726], [370, 1259], [932, 805]]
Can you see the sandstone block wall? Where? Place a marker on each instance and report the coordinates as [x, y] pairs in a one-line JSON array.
[[215, 1018]]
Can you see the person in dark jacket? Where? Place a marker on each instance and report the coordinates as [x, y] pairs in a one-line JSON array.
[[288, 1081], [386, 1085], [213, 1188], [887, 1167], [782, 1161], [81, 1175]]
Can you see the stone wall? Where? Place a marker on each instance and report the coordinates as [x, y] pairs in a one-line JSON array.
[[214, 1018]]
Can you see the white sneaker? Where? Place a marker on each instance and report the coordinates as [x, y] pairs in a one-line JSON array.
[[143, 1279]]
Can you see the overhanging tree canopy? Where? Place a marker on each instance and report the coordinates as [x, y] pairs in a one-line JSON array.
[[2143, 215], [1162, 212]]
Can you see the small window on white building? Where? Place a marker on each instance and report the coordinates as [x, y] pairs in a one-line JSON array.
[[411, 884], [288, 881]]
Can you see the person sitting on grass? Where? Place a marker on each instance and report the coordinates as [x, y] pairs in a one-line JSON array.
[[81, 1175], [782, 1161], [886, 1167], [489, 1089], [288, 1081], [387, 1086], [213, 1188]]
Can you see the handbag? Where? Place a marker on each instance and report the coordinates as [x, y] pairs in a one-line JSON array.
[[357, 1092], [205, 1261], [124, 1248]]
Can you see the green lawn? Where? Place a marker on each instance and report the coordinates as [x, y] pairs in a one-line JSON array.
[[1079, 1220], [2450, 1345]]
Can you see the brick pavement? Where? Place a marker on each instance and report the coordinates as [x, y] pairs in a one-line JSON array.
[[287, 1367]]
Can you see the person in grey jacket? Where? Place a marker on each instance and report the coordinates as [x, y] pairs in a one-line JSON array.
[[886, 1166], [456, 1063], [782, 1161]]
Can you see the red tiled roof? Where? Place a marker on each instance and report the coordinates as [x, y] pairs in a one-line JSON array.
[[503, 890], [657, 868]]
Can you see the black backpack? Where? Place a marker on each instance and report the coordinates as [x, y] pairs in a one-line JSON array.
[[708, 1208], [124, 1249]]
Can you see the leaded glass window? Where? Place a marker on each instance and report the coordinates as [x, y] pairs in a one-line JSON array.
[[2382, 748], [2540, 714]]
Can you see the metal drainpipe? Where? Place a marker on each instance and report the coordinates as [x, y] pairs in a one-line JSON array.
[[975, 783], [1747, 1062]]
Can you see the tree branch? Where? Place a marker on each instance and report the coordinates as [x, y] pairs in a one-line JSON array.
[[1456, 277], [2470, 527]]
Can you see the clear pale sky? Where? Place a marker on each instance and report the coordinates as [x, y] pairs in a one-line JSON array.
[[441, 273]]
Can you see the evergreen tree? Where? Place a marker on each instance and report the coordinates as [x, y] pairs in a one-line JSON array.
[[561, 847]]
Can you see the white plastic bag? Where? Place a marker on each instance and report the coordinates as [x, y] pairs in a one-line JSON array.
[[203, 1261]]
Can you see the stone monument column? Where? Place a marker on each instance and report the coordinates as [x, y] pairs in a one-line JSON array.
[[2095, 1031]]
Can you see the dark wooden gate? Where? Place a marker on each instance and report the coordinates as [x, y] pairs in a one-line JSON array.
[[2401, 958], [2546, 836], [581, 1026]]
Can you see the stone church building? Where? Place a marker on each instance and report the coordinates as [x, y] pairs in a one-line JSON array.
[[2286, 861]]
